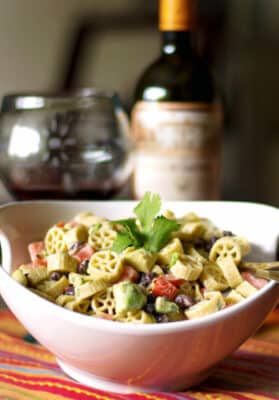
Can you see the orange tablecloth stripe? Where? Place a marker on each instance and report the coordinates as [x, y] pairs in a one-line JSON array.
[[29, 371]]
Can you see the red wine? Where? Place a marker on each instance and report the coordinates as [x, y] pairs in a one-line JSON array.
[[87, 194]]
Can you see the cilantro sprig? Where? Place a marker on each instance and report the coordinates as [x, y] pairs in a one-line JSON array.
[[150, 230], [147, 209]]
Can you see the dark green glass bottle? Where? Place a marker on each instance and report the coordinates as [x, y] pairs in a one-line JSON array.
[[179, 73], [176, 117]]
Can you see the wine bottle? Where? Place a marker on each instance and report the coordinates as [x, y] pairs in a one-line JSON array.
[[176, 118]]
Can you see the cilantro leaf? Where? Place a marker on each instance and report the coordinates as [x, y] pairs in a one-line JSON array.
[[130, 222], [147, 210], [122, 241], [160, 233], [131, 228], [129, 236]]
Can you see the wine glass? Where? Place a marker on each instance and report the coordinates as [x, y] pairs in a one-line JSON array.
[[65, 146]]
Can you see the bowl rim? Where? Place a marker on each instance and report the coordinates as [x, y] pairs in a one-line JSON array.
[[37, 100], [116, 326]]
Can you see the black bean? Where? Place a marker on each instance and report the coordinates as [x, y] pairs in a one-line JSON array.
[[210, 243], [161, 318], [226, 292], [227, 233], [151, 298], [82, 267], [184, 301], [200, 243], [55, 276], [149, 308], [146, 279], [70, 290]]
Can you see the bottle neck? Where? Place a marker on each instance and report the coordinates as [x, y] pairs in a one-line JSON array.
[[176, 42]]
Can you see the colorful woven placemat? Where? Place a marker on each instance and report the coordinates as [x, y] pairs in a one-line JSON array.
[[29, 372]]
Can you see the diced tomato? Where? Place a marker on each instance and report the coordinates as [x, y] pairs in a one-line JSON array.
[[60, 224], [163, 287], [40, 262], [258, 283], [129, 274], [35, 249], [84, 253], [177, 282]]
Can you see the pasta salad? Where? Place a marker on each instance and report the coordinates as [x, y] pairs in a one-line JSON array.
[[150, 268]]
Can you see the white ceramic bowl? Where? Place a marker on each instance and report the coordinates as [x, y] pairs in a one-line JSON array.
[[126, 357]]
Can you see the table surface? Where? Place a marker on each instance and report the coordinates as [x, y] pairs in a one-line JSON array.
[[29, 372]]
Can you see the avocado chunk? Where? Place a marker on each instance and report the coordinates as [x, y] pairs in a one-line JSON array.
[[164, 306], [19, 276], [128, 297]]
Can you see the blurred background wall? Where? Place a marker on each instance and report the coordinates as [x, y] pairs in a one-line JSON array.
[[58, 44]]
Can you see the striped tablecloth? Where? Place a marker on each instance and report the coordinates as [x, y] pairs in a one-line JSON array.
[[29, 372]]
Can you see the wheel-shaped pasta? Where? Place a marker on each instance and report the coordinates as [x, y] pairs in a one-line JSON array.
[[74, 235], [104, 303], [212, 277], [233, 298], [193, 227], [140, 259], [34, 275], [224, 247], [169, 214], [230, 270], [187, 268], [210, 230], [55, 240], [80, 306], [189, 217], [63, 299], [190, 231], [105, 265], [245, 289], [165, 255], [101, 239], [191, 289], [244, 245], [213, 302], [61, 262], [138, 317], [54, 288], [43, 294], [88, 219], [89, 289]]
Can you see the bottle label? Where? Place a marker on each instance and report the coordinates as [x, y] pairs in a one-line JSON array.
[[178, 150]]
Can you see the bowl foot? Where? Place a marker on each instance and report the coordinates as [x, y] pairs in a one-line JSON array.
[[95, 382]]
